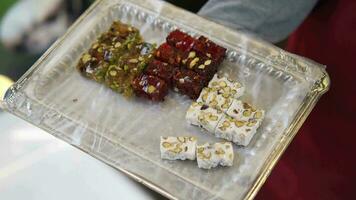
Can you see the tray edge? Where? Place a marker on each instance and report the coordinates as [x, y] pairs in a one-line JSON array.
[[319, 88]]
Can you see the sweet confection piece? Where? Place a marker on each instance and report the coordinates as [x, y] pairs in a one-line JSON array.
[[147, 49], [118, 36], [168, 54], [180, 40], [92, 68], [110, 45], [178, 148], [212, 155], [227, 88], [125, 63], [176, 36], [193, 113], [210, 49], [226, 152], [185, 45], [201, 64], [129, 65], [239, 130], [188, 82], [116, 58], [206, 67], [206, 157], [211, 97], [198, 61], [244, 111], [120, 30], [161, 69], [204, 116], [150, 87]]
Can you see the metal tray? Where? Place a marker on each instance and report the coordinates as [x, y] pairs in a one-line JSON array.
[[125, 134]]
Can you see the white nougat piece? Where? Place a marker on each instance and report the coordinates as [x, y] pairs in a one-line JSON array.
[[244, 111], [193, 113], [226, 87], [204, 116], [240, 123], [212, 98], [226, 153], [238, 131], [209, 118], [206, 157], [212, 155], [178, 148]]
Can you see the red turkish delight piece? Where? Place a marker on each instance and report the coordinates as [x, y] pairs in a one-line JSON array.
[[186, 45], [206, 67], [210, 49], [180, 40], [161, 70], [168, 54], [188, 82], [201, 64], [150, 87], [176, 36]]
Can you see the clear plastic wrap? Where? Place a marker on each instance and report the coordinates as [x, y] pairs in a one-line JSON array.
[[126, 133]]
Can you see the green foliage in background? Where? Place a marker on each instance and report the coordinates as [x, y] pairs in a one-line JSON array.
[[4, 5]]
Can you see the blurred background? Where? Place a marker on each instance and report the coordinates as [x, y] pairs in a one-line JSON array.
[[28, 28]]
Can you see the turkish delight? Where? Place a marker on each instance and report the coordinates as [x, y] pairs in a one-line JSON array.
[[239, 130], [150, 87], [212, 155], [178, 148], [161, 69], [168, 54], [188, 82], [204, 116], [210, 49], [226, 87], [212, 98]]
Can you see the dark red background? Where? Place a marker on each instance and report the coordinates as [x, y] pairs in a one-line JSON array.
[[321, 161]]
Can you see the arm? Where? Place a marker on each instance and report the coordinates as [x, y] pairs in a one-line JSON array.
[[272, 20]]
